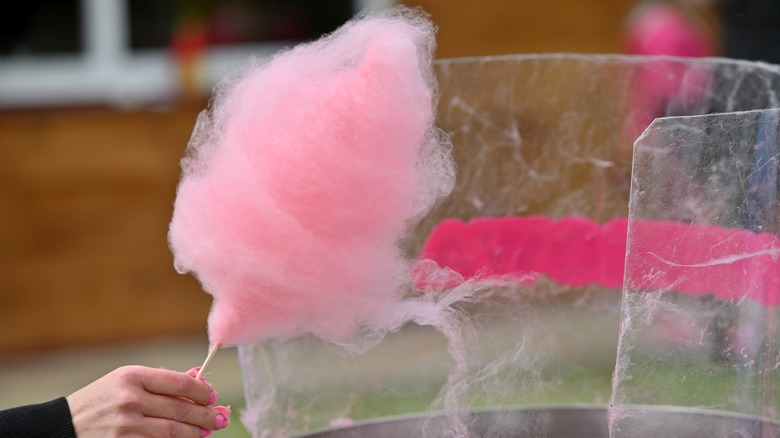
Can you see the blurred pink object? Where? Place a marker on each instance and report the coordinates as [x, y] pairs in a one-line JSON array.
[[303, 177], [573, 250], [689, 258], [665, 87], [658, 28], [341, 422]]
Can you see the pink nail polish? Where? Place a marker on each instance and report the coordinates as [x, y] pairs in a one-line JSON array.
[[221, 422], [204, 433], [212, 398], [224, 411]]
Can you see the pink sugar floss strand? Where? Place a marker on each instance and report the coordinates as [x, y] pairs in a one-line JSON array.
[[302, 178]]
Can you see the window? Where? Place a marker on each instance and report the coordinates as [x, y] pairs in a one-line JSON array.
[[40, 27], [123, 52]]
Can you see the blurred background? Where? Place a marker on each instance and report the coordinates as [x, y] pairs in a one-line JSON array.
[[97, 102]]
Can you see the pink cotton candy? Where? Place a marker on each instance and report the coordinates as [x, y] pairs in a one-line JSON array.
[[302, 178]]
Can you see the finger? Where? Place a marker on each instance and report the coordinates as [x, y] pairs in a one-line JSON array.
[[193, 372], [172, 383], [179, 410], [173, 429]]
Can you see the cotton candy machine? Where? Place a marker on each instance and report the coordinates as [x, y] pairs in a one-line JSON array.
[[536, 322], [567, 422]]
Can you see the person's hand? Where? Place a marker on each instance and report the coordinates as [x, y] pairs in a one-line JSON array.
[[147, 402]]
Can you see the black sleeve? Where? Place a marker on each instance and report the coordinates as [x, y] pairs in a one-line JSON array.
[[46, 420]]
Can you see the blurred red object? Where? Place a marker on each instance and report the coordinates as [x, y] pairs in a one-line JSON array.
[[188, 44]]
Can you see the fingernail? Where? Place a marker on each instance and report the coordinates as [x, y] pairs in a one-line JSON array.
[[223, 417], [221, 422], [204, 433], [193, 372], [212, 398], [223, 410]]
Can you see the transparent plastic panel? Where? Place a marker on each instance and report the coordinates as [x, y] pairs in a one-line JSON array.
[[534, 236], [700, 327]]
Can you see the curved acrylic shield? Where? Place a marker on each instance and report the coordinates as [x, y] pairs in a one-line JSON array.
[[543, 146]]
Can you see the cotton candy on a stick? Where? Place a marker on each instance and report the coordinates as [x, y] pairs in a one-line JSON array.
[[302, 177]]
